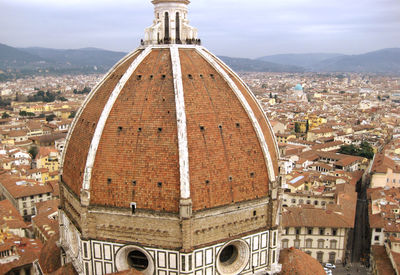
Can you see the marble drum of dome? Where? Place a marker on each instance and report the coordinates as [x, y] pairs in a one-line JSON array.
[[171, 166]]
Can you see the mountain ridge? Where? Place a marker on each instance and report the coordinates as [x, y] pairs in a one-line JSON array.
[[32, 60]]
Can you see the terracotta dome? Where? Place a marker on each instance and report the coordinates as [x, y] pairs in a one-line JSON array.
[[170, 166], [170, 121]]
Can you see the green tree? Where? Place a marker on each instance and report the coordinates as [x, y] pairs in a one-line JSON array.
[[61, 98], [23, 113], [365, 150], [5, 115], [297, 127], [50, 117], [86, 90], [72, 115], [33, 151], [349, 150]]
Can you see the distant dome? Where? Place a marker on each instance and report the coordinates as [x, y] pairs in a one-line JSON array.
[[298, 87]]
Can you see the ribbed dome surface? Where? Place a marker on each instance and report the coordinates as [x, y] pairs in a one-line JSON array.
[[127, 143]]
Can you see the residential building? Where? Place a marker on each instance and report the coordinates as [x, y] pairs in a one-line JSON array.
[[24, 194]]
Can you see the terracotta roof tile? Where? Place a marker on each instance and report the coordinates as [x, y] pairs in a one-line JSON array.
[[382, 261], [23, 188], [10, 216], [297, 262]]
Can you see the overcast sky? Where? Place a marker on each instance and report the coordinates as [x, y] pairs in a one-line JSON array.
[[239, 28]]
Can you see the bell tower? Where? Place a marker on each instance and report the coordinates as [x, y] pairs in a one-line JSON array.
[[171, 24]]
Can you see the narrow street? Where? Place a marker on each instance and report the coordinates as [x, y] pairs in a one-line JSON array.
[[361, 242]]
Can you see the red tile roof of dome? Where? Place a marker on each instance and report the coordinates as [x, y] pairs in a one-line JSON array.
[[137, 158]]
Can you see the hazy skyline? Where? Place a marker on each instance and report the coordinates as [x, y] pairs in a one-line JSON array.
[[251, 28]]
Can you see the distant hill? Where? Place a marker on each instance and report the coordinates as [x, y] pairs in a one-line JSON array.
[[382, 61], [78, 58], [12, 57], [386, 61], [19, 62], [251, 65], [302, 60]]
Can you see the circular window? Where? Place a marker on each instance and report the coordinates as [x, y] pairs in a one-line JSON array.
[[134, 257], [228, 255], [137, 260], [233, 257]]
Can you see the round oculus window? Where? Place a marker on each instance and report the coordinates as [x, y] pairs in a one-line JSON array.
[[135, 257], [233, 257]]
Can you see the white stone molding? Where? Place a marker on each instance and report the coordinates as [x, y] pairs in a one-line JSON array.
[[88, 99], [246, 106], [181, 123], [253, 253], [104, 116]]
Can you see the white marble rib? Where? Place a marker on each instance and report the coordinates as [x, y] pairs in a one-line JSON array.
[[181, 123], [249, 111], [104, 116]]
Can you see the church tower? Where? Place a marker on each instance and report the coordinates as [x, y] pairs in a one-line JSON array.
[[171, 165]]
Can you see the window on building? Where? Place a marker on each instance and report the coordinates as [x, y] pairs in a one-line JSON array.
[[24, 204], [333, 244], [334, 231], [309, 243], [323, 203], [315, 202], [31, 197], [308, 252], [322, 231], [298, 230], [378, 229], [297, 243], [309, 231], [320, 256], [321, 243], [24, 198], [25, 212], [285, 243], [273, 256], [177, 27], [133, 208], [332, 257], [166, 29], [376, 238], [301, 201], [308, 202], [293, 200]]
